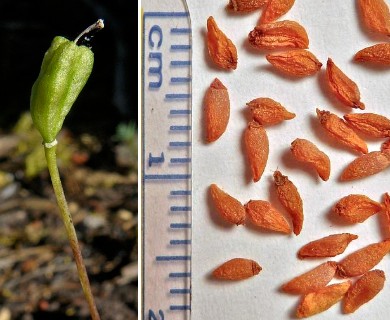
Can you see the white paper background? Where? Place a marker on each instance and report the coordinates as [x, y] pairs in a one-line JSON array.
[[334, 31]]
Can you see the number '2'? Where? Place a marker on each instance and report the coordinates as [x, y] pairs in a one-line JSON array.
[[152, 315]]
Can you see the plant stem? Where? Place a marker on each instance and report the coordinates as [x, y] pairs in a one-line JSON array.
[[50, 154]]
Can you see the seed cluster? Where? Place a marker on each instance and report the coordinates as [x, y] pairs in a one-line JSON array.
[[293, 59]]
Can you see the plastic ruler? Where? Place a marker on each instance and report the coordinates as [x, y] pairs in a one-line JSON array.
[[166, 160]]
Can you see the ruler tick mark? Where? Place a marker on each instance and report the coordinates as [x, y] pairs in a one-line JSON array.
[[180, 193], [173, 96], [173, 258], [180, 291], [180, 128], [180, 79], [180, 275], [180, 63], [181, 30], [167, 176], [179, 307], [180, 160], [180, 47], [177, 208], [179, 242], [180, 144], [180, 225]]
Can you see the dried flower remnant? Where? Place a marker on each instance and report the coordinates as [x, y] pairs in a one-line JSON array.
[[264, 215], [322, 299], [229, 208], [279, 35], [363, 260], [339, 130], [289, 197], [371, 124], [245, 5], [237, 269], [275, 9], [299, 63], [329, 246], [366, 165], [363, 290], [356, 208], [257, 148], [378, 54], [312, 280], [221, 49], [217, 110], [306, 151], [268, 112], [375, 15], [343, 87]]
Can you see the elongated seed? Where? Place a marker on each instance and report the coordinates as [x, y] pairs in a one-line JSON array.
[[237, 269], [364, 290], [363, 260], [322, 299], [278, 35], [221, 49], [268, 112], [257, 148], [245, 5], [312, 280], [299, 63], [264, 215], [275, 9], [289, 197], [371, 124], [375, 15], [366, 165], [378, 54], [329, 246], [343, 87], [356, 208], [339, 130], [217, 110], [306, 151], [229, 208]]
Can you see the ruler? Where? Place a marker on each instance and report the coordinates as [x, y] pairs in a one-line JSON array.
[[166, 160]]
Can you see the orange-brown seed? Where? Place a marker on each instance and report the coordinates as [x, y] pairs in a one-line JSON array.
[[278, 35], [363, 260], [329, 246], [299, 63], [386, 211], [306, 151], [268, 112], [375, 15], [363, 290], [366, 165], [217, 110], [312, 280], [322, 299], [343, 87], [264, 215], [289, 197], [275, 9], [339, 130], [222, 51], [378, 53], [229, 208], [237, 269], [371, 124], [245, 5], [257, 148], [356, 208]]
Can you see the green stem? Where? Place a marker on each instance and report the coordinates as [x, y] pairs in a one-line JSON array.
[[51, 159]]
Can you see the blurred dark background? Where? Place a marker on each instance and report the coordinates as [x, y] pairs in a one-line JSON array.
[[26, 30]]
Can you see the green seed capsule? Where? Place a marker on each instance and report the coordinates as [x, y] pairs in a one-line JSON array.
[[64, 71]]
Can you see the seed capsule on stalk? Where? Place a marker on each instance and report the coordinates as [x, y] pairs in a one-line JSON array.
[[64, 72]]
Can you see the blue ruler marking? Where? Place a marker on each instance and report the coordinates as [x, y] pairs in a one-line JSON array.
[[167, 176], [181, 30], [180, 225], [181, 79], [183, 112], [173, 258], [180, 47], [179, 307], [180, 128], [180, 275], [180, 193], [178, 208], [180, 291], [174, 96], [180, 144], [179, 242], [180, 63], [180, 160]]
